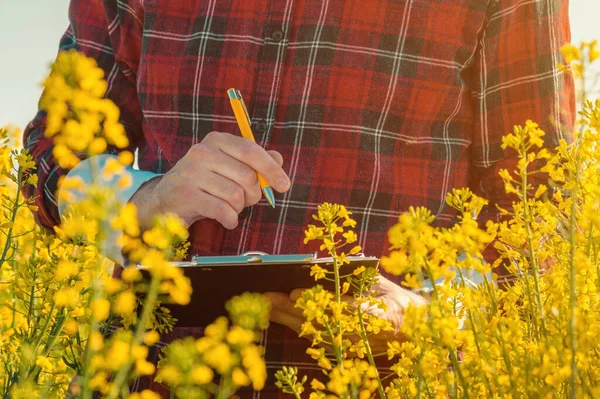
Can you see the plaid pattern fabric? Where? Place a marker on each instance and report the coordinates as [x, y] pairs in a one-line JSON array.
[[378, 104]]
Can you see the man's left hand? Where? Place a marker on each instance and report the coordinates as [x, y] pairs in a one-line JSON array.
[[395, 297]]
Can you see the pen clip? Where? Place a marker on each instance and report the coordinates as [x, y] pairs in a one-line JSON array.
[[239, 97]]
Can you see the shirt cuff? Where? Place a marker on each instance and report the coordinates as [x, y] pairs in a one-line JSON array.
[[472, 279], [83, 171]]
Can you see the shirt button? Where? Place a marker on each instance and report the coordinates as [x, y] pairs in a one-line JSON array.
[[260, 126], [277, 35]]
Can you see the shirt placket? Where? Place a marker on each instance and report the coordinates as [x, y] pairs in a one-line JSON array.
[[265, 97], [271, 60]]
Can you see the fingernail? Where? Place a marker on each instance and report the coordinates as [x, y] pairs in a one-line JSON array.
[[271, 297], [283, 183]]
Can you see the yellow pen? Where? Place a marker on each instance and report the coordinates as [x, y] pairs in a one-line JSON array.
[[243, 120]]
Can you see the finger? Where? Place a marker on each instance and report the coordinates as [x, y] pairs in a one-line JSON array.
[[278, 299], [239, 173], [276, 156], [287, 319], [217, 209], [296, 294], [282, 302], [256, 157], [224, 189]]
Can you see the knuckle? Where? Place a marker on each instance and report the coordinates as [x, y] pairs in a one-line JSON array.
[[227, 217], [222, 208], [238, 197], [250, 151], [213, 136], [249, 176], [201, 150], [254, 196]]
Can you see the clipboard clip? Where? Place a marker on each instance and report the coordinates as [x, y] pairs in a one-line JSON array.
[[254, 257]]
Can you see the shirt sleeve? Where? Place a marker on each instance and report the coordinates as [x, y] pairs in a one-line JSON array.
[[89, 33], [516, 78], [110, 247]]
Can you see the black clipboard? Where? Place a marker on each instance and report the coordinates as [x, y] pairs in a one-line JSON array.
[[216, 279]]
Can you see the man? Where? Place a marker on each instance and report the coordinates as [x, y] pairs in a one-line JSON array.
[[378, 105]]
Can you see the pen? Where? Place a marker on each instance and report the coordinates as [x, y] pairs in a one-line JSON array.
[[243, 120]]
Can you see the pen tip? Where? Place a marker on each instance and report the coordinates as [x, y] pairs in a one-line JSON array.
[[268, 191]]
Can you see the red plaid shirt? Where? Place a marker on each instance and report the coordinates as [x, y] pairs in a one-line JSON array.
[[378, 105]]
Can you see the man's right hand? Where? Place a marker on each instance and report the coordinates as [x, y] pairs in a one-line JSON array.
[[216, 179]]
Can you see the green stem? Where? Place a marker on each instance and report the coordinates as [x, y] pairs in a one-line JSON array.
[[573, 293], [95, 292], [225, 390], [572, 268], [33, 370], [123, 372], [476, 335], [532, 257], [365, 339], [531, 321], [453, 357], [30, 311], [47, 348], [13, 216], [337, 350], [338, 299], [499, 338]]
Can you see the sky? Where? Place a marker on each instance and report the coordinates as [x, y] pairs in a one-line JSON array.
[[30, 30]]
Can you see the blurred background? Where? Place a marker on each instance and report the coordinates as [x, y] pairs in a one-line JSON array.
[[30, 30]]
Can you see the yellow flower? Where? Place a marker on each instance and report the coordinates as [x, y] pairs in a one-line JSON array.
[[131, 274], [356, 249], [151, 337], [350, 236], [254, 364], [570, 53], [313, 233], [240, 378], [317, 385], [32, 180], [364, 394], [96, 341], [112, 168], [219, 358], [145, 394], [118, 354], [169, 374], [65, 270], [126, 158], [66, 297], [100, 308], [156, 238], [97, 146], [143, 367], [318, 272], [345, 287], [71, 327], [128, 220], [175, 226], [202, 374], [540, 191], [125, 303], [240, 336], [44, 363]]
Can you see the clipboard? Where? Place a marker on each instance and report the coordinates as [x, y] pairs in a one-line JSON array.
[[216, 279]]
